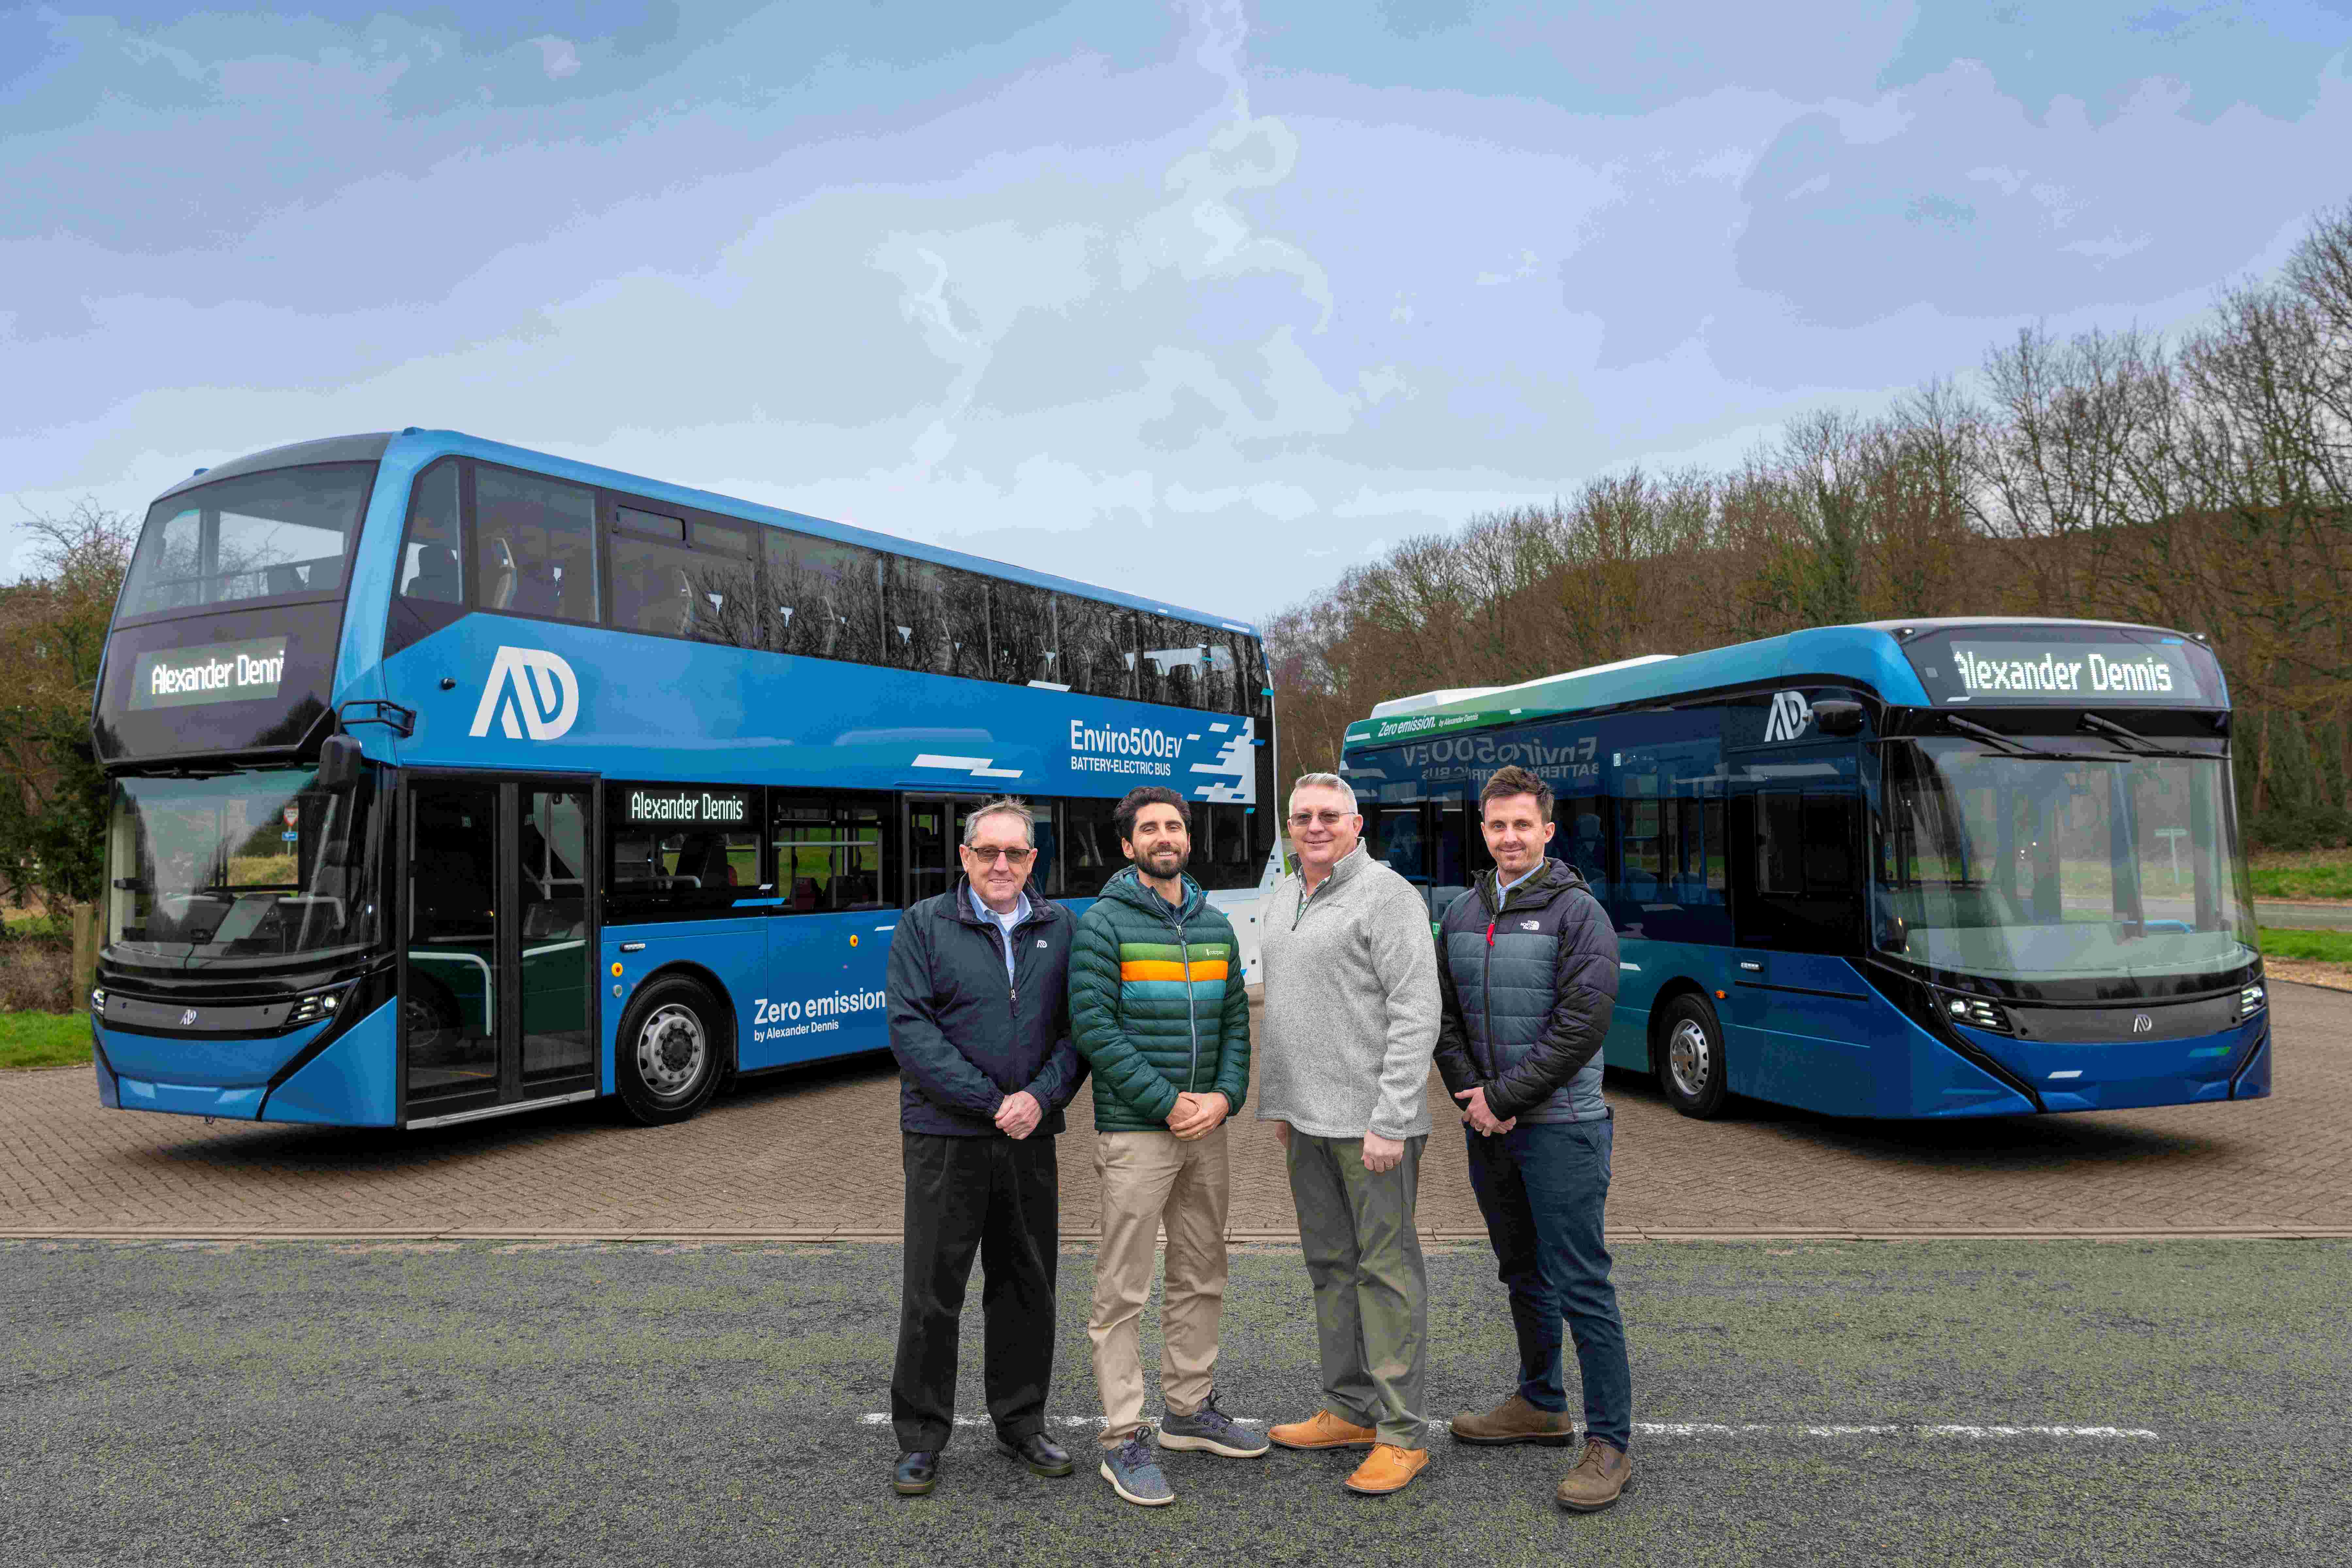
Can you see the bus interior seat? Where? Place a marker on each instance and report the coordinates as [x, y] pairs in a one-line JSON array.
[[285, 579], [536, 593], [498, 593], [436, 576], [806, 895]]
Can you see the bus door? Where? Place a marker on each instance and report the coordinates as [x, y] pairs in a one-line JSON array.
[[498, 989], [1808, 1017], [933, 828]]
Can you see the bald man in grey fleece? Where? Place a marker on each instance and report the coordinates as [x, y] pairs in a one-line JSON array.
[[1351, 1015]]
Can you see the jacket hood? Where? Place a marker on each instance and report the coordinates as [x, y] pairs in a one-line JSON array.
[[1126, 884]]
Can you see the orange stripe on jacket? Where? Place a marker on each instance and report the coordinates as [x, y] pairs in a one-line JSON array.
[[1165, 969]]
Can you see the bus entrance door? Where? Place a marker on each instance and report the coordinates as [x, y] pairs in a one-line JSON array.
[[497, 998]]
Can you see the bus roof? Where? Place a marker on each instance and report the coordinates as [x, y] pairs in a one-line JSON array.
[[416, 448], [1868, 655]]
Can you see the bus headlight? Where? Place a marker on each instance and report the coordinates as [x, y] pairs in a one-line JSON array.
[[1977, 1014], [317, 1005], [2251, 1001]]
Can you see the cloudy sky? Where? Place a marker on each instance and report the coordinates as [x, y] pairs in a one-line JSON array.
[[1206, 301]]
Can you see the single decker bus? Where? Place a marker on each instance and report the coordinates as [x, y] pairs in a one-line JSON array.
[[452, 780], [1924, 869]]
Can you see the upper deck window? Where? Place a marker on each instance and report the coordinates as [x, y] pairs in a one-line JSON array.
[[535, 545], [280, 535]]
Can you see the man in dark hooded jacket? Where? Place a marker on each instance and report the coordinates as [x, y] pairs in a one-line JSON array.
[[1528, 977]]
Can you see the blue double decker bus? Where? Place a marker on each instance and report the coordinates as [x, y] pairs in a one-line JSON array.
[[1932, 868], [452, 780]]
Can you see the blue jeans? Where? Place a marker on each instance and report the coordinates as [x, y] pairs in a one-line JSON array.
[[1542, 1187]]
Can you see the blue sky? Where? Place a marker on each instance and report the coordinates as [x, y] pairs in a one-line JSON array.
[[1205, 300]]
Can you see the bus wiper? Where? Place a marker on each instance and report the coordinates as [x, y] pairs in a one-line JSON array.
[[2147, 748], [1954, 722], [2017, 748]]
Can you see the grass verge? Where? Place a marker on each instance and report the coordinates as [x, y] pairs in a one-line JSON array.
[[2304, 874], [2310, 946], [44, 1039]]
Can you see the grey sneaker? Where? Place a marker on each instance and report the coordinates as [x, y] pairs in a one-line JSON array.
[[1135, 1474], [1211, 1429]]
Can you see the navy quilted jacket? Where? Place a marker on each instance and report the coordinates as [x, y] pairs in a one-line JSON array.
[[1526, 991]]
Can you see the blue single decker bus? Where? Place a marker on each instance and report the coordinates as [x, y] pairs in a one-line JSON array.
[[1940, 867], [452, 780]]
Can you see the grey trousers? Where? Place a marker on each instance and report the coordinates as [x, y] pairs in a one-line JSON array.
[[1371, 1290]]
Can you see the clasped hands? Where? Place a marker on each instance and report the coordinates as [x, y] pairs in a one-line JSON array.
[[1475, 1112], [1197, 1115], [1017, 1114]]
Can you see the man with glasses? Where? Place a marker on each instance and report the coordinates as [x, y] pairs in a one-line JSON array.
[[980, 1021], [1351, 1009]]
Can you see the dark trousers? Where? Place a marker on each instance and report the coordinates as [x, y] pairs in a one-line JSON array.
[[1000, 1198], [1542, 1187]]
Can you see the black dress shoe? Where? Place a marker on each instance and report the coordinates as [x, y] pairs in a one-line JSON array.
[[917, 1473], [1038, 1452]]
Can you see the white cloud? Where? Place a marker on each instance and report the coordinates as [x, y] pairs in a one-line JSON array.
[[559, 58]]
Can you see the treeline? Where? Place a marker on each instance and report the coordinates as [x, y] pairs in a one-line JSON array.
[[2202, 481]]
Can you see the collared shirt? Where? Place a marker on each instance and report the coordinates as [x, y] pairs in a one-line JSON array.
[[1003, 922], [1503, 889]]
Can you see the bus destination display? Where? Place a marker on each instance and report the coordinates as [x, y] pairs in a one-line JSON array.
[[1992, 673], [217, 672]]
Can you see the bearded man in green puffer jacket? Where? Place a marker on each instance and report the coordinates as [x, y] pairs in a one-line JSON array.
[[1159, 1010]]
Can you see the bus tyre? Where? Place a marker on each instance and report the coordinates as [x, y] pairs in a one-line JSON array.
[[1691, 1068], [670, 1051]]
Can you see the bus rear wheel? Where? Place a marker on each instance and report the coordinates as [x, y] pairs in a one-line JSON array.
[[1691, 1068], [669, 1052]]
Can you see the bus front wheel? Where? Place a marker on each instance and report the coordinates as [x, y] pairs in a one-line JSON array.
[[669, 1051], [1691, 1068]]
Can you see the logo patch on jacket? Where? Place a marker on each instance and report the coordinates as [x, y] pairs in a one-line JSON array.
[[1531, 925]]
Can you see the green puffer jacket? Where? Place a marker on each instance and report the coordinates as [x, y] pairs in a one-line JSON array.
[[1158, 1004]]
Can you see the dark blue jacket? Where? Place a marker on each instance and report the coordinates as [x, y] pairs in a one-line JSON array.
[[1527, 991], [963, 1037]]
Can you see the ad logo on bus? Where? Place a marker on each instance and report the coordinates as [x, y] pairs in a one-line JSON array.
[[530, 682], [1791, 716]]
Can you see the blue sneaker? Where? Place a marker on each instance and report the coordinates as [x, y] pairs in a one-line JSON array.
[[1211, 1429], [1135, 1474]]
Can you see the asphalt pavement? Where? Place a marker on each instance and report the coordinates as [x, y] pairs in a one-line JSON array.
[[2291, 915], [447, 1403]]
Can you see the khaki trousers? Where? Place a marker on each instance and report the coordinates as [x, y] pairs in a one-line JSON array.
[[1149, 1178], [1371, 1288]]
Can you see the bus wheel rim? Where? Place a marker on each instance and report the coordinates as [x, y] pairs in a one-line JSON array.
[[1690, 1058], [671, 1050]]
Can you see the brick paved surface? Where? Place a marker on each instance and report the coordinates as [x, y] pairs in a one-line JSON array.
[[819, 1156]]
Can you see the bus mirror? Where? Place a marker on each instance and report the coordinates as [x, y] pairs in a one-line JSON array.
[[339, 762], [1838, 717]]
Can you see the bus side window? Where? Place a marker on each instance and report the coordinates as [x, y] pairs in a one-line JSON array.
[[431, 588], [535, 545], [829, 853], [1582, 841], [1020, 622], [824, 600], [1097, 646]]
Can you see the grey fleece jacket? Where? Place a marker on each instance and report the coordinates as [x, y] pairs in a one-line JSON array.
[[1351, 1005]]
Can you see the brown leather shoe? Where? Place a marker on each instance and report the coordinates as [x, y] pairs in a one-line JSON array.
[[1321, 1430], [1601, 1477], [1389, 1470], [1516, 1421]]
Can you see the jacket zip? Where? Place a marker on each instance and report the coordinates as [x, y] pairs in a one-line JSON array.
[[1192, 1019]]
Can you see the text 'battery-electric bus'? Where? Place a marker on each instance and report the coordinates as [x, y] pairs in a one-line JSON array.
[[1952, 867], [452, 779]]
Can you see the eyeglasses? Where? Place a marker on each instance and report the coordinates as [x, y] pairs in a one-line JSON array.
[[1327, 819], [991, 857]]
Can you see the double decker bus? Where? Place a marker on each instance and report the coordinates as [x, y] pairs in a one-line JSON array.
[[1926, 869], [452, 780]]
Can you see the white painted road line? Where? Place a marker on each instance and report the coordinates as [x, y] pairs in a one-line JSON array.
[[1728, 1429]]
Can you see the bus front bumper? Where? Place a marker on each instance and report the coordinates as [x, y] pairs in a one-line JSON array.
[[345, 1082]]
